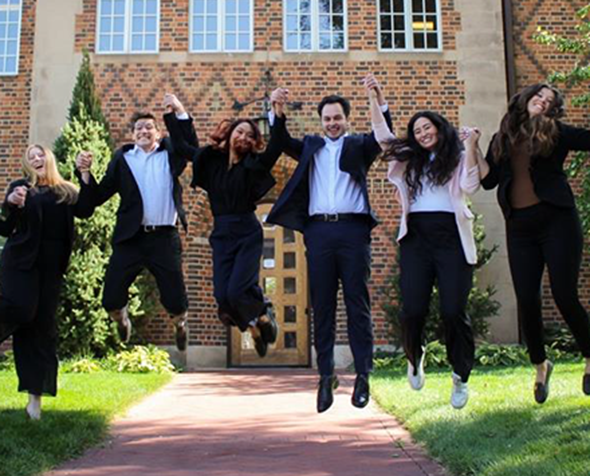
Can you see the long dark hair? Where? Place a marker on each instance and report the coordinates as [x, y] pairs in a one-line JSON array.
[[437, 171], [220, 137], [538, 133]]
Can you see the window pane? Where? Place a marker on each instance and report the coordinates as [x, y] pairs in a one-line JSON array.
[[338, 23], [151, 25], [290, 314], [138, 6], [244, 6], [288, 236], [119, 24], [386, 40], [119, 7], [150, 43], [431, 6], [136, 43], [198, 42], [211, 24], [305, 23], [104, 43], [431, 23], [211, 42], [244, 24], [231, 6], [432, 40], [292, 6], [338, 6], [386, 23], [399, 22], [106, 7], [137, 25], [398, 6], [417, 6], [152, 7], [292, 22], [231, 41], [290, 286], [306, 41], [325, 42], [292, 41], [419, 40], [268, 253], [10, 66], [105, 25], [289, 260], [231, 23], [400, 40], [270, 285], [324, 23], [243, 41], [324, 6], [2, 30], [385, 6], [199, 7], [305, 6], [338, 41], [211, 6], [290, 340], [118, 43]]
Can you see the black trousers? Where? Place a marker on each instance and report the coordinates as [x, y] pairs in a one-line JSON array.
[[160, 252], [340, 251], [28, 303], [432, 251], [547, 235], [236, 241]]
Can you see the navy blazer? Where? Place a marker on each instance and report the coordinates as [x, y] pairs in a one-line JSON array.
[[359, 151], [119, 179]]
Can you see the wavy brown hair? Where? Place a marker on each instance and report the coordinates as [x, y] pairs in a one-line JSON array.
[[221, 135], [537, 133], [438, 171]]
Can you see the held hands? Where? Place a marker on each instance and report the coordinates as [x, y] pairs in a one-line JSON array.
[[373, 88], [18, 196], [83, 164], [173, 104], [470, 136], [278, 98]]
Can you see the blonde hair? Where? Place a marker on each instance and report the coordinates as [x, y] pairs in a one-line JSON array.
[[66, 191]]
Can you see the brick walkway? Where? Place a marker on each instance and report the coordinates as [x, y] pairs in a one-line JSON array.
[[253, 423]]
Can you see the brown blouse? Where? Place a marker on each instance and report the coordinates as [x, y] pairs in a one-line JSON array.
[[522, 190]]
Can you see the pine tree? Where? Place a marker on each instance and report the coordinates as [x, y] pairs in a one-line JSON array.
[[84, 326]]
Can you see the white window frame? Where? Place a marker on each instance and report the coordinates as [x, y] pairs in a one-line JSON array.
[[127, 32], [315, 31], [408, 31], [18, 38], [221, 17]]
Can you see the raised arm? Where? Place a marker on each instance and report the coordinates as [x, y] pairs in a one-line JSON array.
[[290, 146], [381, 126]]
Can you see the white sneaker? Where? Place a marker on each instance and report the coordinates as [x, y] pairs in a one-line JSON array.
[[460, 393], [417, 378]]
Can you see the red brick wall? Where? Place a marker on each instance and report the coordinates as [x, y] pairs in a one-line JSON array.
[[209, 89], [15, 100], [533, 64]]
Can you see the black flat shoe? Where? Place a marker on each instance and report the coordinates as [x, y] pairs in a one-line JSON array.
[[327, 385], [542, 388], [269, 329], [360, 394], [586, 384]]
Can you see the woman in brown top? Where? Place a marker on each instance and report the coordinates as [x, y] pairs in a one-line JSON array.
[[542, 225]]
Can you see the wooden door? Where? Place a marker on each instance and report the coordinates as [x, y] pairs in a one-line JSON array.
[[283, 278]]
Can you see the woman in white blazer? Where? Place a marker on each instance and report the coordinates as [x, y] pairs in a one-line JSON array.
[[434, 171]]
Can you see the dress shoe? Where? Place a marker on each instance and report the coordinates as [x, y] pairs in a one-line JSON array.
[[328, 383], [124, 327], [586, 384], [360, 394], [460, 393], [542, 388], [181, 334], [268, 325], [416, 376]]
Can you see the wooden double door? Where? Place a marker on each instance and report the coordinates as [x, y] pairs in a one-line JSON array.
[[283, 278]]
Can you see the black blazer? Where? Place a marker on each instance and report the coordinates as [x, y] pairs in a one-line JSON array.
[[359, 151], [119, 179], [549, 179], [23, 227]]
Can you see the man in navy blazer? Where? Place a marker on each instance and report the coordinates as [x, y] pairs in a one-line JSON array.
[[327, 200]]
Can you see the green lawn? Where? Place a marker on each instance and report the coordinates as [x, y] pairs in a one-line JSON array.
[[78, 418], [502, 431]]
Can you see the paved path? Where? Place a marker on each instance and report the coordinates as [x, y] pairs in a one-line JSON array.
[[253, 423]]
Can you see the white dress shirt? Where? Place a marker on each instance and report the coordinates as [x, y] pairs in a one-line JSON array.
[[152, 174], [433, 198]]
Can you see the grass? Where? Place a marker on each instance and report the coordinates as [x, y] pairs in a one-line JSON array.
[[501, 431], [75, 420]]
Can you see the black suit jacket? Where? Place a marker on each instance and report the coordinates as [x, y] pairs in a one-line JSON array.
[[23, 227], [359, 151], [119, 179], [549, 178]]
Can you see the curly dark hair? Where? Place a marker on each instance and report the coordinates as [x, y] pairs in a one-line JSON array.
[[437, 171], [539, 133], [220, 137]]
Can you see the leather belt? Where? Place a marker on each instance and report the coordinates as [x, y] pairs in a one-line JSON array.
[[334, 217]]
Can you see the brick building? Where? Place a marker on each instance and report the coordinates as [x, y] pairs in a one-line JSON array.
[[458, 57]]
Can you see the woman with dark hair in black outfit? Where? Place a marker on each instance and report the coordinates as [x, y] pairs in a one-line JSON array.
[[434, 171], [525, 161], [38, 219], [234, 170]]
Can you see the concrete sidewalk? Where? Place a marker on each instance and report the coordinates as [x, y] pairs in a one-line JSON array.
[[253, 423]]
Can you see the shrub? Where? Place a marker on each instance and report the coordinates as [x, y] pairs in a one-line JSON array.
[[141, 359]]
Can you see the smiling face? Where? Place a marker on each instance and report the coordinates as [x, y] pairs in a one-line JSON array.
[[243, 139], [146, 134], [37, 160], [426, 133], [334, 121], [541, 102]]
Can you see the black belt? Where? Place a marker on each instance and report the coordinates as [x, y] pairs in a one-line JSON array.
[[333, 217], [154, 228]]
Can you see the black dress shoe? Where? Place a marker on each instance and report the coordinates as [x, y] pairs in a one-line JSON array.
[[181, 335], [328, 383], [260, 345], [269, 328], [586, 384], [124, 328], [542, 388], [360, 394]]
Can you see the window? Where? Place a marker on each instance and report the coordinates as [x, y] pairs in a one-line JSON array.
[[128, 26], [10, 19], [315, 25], [222, 25], [409, 25]]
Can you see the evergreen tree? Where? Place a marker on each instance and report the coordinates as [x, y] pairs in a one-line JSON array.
[[84, 326]]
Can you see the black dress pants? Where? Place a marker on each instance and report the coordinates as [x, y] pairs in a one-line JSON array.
[[28, 303], [431, 251], [158, 251], [236, 241], [541, 235], [340, 251]]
